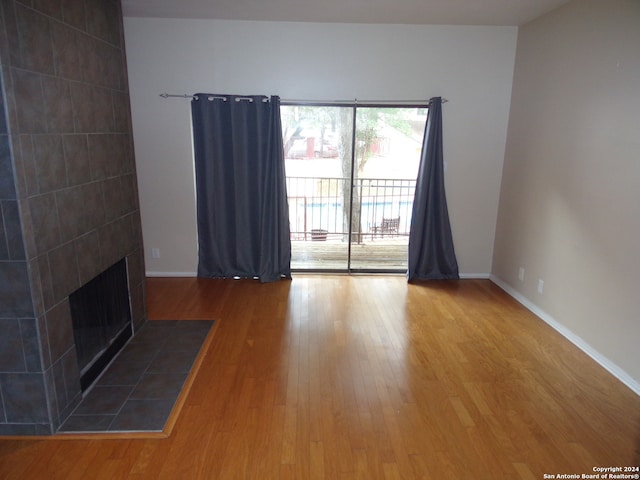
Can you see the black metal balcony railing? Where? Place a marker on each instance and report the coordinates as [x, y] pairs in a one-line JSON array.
[[317, 205]]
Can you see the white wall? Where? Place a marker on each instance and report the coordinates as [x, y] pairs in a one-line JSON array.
[[471, 66], [570, 202]]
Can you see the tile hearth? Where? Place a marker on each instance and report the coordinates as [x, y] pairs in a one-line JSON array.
[[139, 389]]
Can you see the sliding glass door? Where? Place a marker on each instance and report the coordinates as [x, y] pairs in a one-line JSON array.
[[351, 174], [317, 146]]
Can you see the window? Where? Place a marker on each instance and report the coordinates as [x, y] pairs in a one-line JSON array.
[[351, 172]]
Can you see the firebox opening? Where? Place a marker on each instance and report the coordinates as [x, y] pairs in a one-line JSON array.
[[101, 318]]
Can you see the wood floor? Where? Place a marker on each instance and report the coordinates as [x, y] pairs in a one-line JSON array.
[[364, 377]]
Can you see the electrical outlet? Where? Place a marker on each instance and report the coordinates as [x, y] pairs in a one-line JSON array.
[[155, 252], [521, 274], [540, 286]]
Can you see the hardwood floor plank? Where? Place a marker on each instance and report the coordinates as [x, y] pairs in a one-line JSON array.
[[289, 436], [524, 472], [144, 458], [316, 461], [329, 377]]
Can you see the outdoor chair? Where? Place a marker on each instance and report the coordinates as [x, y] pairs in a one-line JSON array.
[[388, 226]]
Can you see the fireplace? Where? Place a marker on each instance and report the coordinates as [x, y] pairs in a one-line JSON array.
[[68, 197], [101, 319]]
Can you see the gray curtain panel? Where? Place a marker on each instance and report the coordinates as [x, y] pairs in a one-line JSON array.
[[431, 253], [242, 210]]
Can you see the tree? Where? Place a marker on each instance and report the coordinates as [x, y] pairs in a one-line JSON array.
[[367, 131], [298, 120], [345, 126]]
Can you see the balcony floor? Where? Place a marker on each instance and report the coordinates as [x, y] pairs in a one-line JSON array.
[[380, 254]]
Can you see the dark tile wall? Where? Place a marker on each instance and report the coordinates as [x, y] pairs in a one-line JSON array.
[[68, 194]]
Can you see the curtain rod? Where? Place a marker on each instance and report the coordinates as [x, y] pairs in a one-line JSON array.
[[317, 102], [209, 97]]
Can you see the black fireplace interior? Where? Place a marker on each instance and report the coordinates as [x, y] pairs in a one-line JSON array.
[[101, 317]]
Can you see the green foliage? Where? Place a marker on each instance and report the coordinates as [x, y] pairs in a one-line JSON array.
[[336, 121]]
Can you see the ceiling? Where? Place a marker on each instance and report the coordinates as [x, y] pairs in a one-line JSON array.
[[417, 12]]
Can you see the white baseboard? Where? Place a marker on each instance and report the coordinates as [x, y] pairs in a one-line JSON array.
[[171, 274], [483, 276], [603, 361]]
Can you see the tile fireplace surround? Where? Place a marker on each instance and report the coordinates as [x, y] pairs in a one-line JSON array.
[[68, 195]]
